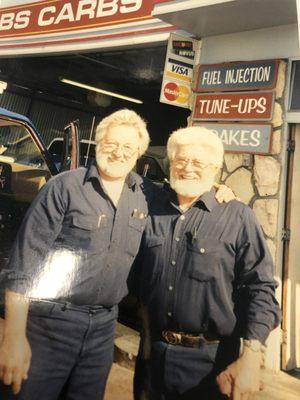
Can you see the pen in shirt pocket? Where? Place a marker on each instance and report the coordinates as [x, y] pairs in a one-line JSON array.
[[101, 216], [194, 234]]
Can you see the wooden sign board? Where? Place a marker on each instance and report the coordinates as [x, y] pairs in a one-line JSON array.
[[236, 76], [243, 137], [234, 106]]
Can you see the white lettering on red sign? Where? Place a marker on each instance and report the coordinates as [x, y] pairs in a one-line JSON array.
[[53, 15], [223, 106], [18, 20]]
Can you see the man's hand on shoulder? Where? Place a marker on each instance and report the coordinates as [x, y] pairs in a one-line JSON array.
[[242, 377], [224, 193]]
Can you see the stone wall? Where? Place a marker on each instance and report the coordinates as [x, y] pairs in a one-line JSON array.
[[255, 179]]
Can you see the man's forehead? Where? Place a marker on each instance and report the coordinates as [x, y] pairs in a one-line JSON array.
[[122, 133], [192, 150]]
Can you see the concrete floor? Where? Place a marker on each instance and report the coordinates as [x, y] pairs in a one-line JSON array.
[[119, 385], [277, 386]]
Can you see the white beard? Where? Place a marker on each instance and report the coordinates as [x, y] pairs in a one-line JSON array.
[[190, 187], [114, 169]]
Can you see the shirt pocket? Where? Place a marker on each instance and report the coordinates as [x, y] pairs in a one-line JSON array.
[[203, 259], [153, 255], [136, 228], [86, 223], [82, 233]]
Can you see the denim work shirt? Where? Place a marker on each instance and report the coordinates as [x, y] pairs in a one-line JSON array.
[[74, 245], [207, 270]]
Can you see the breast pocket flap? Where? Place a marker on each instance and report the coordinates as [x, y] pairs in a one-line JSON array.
[[203, 259], [155, 241], [85, 223]]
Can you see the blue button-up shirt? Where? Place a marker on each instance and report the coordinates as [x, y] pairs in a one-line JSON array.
[[207, 270], [74, 245]]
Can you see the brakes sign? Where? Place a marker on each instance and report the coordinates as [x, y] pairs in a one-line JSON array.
[[54, 15], [175, 93]]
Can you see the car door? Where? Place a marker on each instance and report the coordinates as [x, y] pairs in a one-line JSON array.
[[25, 166]]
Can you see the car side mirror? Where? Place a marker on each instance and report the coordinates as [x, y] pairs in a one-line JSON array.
[[71, 151]]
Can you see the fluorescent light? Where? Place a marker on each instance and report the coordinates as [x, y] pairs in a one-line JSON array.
[[95, 89]]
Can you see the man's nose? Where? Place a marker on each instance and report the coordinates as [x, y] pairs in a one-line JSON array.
[[118, 152], [188, 166]]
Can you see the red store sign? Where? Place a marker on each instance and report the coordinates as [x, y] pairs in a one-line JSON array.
[[234, 106], [57, 16]]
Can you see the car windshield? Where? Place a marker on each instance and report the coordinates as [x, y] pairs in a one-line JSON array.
[[87, 151], [17, 145]]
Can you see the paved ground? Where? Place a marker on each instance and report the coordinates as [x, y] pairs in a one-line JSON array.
[[119, 386]]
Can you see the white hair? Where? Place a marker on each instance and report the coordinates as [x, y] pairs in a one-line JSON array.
[[124, 117], [198, 136]]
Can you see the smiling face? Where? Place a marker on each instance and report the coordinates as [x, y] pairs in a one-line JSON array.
[[192, 170], [118, 152]]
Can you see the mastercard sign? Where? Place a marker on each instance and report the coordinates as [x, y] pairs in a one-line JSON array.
[[175, 93]]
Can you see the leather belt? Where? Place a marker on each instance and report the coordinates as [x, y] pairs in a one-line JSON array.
[[187, 340]]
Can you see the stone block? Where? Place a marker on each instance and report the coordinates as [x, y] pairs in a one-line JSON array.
[[272, 248], [233, 161], [266, 211], [276, 142], [266, 175], [240, 183], [277, 115], [280, 85]]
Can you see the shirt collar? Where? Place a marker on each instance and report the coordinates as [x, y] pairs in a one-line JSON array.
[[132, 180], [208, 199]]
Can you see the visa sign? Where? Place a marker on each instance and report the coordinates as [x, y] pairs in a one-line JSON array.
[[179, 70]]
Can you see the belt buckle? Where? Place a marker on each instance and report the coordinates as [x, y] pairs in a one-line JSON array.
[[172, 337]]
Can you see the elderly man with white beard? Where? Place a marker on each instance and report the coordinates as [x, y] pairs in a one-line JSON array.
[[68, 270], [205, 282]]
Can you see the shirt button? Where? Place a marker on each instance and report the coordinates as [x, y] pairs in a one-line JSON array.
[[177, 239], [182, 217], [202, 250], [169, 314], [170, 288], [173, 262]]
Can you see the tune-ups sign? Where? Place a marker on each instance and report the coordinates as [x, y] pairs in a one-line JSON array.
[[234, 106]]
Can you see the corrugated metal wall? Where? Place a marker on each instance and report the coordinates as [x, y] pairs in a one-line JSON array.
[[50, 119], [15, 102]]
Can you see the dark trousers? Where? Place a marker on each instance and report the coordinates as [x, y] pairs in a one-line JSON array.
[[182, 373], [72, 352]]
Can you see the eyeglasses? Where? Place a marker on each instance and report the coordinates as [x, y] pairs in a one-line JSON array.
[[111, 147], [183, 162]]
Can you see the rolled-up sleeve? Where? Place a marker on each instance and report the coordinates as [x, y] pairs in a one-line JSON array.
[[254, 271], [39, 229]]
